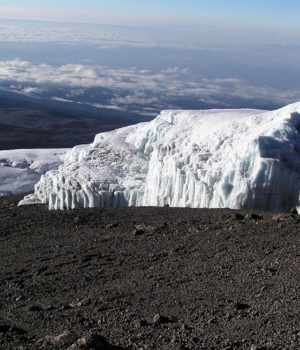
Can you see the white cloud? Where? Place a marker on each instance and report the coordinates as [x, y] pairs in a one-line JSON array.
[[126, 29], [99, 105], [60, 99], [28, 90], [103, 36], [32, 90], [136, 88]]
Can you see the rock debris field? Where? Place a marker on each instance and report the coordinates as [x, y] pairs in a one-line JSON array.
[[148, 278]]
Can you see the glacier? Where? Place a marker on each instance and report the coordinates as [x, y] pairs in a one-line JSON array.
[[21, 169], [214, 159]]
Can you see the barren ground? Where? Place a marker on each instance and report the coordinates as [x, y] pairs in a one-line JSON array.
[[148, 278]]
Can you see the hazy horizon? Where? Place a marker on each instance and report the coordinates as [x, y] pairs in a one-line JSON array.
[[152, 56], [278, 14]]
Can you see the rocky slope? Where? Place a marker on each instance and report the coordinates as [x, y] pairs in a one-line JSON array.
[[148, 278]]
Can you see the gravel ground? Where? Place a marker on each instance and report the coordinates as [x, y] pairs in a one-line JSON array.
[[148, 278]]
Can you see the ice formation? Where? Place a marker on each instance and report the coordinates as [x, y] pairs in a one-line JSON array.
[[213, 159], [20, 170]]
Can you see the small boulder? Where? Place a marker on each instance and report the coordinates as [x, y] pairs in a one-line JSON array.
[[159, 319], [294, 211], [241, 306], [93, 342], [59, 340], [239, 217], [256, 217], [111, 225], [137, 232], [139, 323], [279, 217]]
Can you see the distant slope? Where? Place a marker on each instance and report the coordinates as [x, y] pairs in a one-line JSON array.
[[27, 122]]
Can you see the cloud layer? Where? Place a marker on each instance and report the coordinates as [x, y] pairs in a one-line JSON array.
[[105, 36], [144, 90]]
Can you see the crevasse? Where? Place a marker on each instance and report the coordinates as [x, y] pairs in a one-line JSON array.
[[214, 159]]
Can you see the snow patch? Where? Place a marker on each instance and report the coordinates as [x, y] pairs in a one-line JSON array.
[[20, 170]]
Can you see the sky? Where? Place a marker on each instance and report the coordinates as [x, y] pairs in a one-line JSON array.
[[148, 55], [276, 13]]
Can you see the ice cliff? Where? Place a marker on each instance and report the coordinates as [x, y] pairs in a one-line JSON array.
[[214, 159]]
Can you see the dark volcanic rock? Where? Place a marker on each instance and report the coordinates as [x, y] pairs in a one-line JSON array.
[[160, 319], [94, 342], [294, 211], [239, 216], [194, 279], [241, 306]]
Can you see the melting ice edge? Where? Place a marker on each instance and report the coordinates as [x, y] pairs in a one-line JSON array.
[[216, 158]]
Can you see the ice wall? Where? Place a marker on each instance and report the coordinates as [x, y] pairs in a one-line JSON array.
[[214, 159]]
